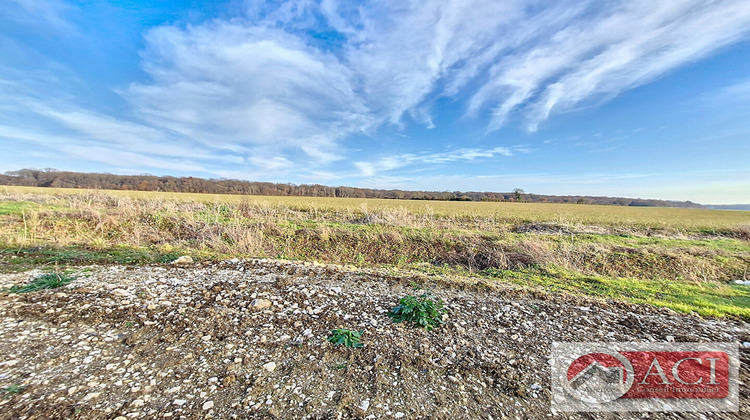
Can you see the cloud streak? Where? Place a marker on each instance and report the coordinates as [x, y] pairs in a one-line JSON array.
[[264, 80], [373, 168]]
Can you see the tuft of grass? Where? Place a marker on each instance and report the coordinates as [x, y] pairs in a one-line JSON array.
[[423, 311], [44, 281], [347, 338], [12, 389]]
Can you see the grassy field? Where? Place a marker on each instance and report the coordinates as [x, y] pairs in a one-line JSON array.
[[679, 258], [501, 212]]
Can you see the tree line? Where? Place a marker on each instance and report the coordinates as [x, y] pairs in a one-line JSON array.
[[145, 182]]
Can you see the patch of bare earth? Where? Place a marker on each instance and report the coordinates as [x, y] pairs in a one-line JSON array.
[[168, 342]]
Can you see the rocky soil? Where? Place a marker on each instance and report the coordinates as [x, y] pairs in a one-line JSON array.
[[247, 339]]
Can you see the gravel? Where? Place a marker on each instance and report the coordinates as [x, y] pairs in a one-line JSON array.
[[191, 341]]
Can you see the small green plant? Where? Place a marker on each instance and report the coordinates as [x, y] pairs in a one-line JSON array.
[[424, 311], [12, 389], [169, 257], [44, 281], [346, 337]]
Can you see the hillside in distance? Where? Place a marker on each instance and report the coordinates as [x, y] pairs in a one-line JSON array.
[[145, 182]]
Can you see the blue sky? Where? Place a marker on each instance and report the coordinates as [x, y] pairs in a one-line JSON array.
[[645, 99]]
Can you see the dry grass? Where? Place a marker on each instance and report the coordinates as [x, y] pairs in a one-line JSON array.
[[411, 212], [384, 235], [373, 233]]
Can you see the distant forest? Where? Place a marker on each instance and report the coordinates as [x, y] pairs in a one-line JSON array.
[[146, 182]]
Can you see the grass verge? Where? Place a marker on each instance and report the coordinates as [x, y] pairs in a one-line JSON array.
[[686, 267]]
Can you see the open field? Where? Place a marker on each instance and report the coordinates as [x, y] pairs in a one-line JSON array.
[[677, 258], [498, 212]]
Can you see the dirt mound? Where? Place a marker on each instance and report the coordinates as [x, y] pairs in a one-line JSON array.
[[172, 342]]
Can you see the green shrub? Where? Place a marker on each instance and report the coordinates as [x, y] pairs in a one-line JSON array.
[[423, 311], [346, 337]]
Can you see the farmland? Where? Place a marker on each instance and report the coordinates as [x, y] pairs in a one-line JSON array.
[[133, 328], [683, 259]]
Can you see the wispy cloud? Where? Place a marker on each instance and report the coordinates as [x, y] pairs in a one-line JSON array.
[[263, 80], [373, 168], [233, 84], [53, 13]]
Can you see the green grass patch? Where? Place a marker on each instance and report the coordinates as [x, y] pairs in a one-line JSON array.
[[15, 259], [12, 389], [16, 207], [719, 244], [707, 299], [44, 281]]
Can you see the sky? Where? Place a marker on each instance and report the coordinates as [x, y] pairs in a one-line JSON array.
[[643, 99]]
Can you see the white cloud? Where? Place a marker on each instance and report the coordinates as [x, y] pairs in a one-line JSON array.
[[77, 148], [599, 56], [230, 84], [262, 80], [371, 169]]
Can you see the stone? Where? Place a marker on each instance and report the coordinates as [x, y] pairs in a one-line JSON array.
[[138, 403], [92, 395], [208, 405], [120, 292], [259, 304], [399, 415], [270, 366], [179, 402], [364, 405], [183, 260]]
